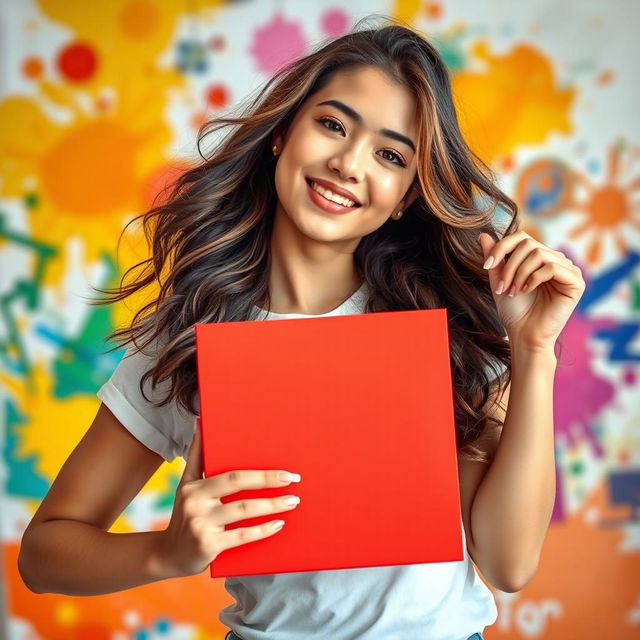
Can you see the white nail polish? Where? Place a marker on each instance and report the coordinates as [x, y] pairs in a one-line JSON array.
[[285, 476], [488, 263]]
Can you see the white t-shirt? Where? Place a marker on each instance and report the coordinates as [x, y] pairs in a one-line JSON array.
[[430, 601]]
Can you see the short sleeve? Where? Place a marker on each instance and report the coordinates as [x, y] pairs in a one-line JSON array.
[[167, 430]]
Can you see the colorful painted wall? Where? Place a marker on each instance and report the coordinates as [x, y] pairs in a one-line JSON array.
[[99, 107]]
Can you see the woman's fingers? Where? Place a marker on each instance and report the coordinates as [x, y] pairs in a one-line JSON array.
[[506, 245], [527, 255], [242, 535], [517, 274], [225, 484], [565, 275], [243, 509]]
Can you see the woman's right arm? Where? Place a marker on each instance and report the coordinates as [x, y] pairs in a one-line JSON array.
[[67, 547]]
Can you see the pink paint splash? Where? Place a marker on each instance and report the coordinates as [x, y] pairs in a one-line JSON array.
[[277, 43], [334, 22], [579, 394]]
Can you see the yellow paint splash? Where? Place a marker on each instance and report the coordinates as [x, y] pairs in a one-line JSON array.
[[511, 102]]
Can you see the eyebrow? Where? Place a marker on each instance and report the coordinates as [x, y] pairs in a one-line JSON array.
[[354, 115]]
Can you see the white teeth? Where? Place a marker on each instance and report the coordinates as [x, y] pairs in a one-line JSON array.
[[334, 197]]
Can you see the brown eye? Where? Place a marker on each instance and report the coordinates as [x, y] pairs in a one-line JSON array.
[[331, 120], [399, 162]]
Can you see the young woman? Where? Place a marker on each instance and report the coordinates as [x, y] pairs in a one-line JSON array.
[[346, 188]]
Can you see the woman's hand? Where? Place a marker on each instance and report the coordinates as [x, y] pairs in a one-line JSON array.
[[545, 287], [196, 534]]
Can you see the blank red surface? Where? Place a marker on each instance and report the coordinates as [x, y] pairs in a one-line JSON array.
[[361, 406]]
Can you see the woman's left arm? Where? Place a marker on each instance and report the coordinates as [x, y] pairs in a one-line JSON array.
[[512, 507], [513, 504]]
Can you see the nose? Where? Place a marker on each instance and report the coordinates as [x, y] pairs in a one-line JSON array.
[[348, 163]]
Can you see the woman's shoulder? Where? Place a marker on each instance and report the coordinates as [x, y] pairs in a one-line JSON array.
[[166, 429]]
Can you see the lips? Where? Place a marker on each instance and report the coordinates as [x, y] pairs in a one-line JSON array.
[[334, 188], [325, 204]]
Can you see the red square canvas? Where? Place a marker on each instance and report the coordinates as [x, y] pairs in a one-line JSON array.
[[362, 407]]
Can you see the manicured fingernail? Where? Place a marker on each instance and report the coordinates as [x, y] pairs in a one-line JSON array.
[[285, 476], [291, 500], [278, 524], [488, 263], [513, 290], [500, 286]]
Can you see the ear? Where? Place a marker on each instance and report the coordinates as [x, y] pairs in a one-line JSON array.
[[412, 194], [278, 136]]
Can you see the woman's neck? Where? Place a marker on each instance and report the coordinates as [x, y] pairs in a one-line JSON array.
[[307, 276], [308, 302]]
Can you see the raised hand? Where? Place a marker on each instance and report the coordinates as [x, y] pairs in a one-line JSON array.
[[535, 289]]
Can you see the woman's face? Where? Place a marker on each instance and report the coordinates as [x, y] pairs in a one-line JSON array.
[[351, 147]]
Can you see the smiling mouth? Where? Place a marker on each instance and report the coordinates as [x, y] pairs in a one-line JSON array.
[[310, 182]]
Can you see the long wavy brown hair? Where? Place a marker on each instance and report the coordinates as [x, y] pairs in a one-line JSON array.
[[209, 239]]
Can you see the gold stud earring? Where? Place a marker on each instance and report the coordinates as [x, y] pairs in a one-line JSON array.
[[275, 149], [397, 215]]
